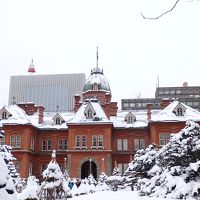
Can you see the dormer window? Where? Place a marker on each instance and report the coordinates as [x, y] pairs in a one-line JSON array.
[[95, 87], [89, 111], [57, 121], [4, 115], [179, 110], [89, 114], [130, 118]]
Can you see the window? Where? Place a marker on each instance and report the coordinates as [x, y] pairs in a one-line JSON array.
[[43, 167], [164, 138], [32, 144], [84, 141], [95, 87], [94, 141], [15, 141], [122, 167], [4, 115], [100, 141], [179, 112], [30, 169], [46, 145], [130, 120], [139, 143], [58, 121], [78, 142], [126, 104], [122, 144], [17, 166], [89, 114], [62, 145], [2, 141]]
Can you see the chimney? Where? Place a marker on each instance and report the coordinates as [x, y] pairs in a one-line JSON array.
[[165, 102], [185, 84], [41, 111], [77, 98], [108, 97], [149, 108]]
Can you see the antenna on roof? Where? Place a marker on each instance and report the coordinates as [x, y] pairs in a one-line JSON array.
[[13, 100], [57, 108], [158, 82], [97, 58]]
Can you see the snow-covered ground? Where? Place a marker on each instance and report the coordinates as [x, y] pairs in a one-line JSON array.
[[118, 195]]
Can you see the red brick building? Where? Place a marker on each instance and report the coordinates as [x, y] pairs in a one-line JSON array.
[[93, 137]]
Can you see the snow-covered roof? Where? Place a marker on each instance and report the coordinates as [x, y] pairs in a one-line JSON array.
[[18, 116], [168, 114], [120, 122], [100, 116]]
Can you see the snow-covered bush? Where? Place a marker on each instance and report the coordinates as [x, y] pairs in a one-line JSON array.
[[116, 180], [101, 183], [32, 189]]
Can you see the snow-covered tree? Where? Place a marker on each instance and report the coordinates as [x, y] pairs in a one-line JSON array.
[[54, 185], [144, 160], [101, 183], [116, 180], [7, 188], [5, 152], [176, 174], [32, 189]]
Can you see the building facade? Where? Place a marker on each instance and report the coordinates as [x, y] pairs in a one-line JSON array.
[[54, 91], [189, 95], [93, 137]]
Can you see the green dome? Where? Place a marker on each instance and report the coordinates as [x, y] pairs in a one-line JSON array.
[[96, 81]]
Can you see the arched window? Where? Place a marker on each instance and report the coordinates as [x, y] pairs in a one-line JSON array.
[[89, 114], [58, 121], [4, 115], [179, 112]]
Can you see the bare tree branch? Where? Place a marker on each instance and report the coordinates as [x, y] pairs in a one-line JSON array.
[[152, 18]]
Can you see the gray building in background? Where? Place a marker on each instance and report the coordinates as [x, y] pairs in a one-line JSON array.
[[189, 95], [54, 91]]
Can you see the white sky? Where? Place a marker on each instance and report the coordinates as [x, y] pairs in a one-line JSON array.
[[61, 36]]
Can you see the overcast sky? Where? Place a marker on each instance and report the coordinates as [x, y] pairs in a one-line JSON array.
[[61, 36]]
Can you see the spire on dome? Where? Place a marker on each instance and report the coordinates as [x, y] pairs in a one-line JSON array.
[[97, 70], [97, 57]]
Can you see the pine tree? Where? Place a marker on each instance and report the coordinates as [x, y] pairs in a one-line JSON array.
[[54, 184], [176, 173]]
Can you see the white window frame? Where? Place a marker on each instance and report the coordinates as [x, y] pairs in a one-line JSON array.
[[15, 141], [164, 137], [32, 146], [94, 141], [138, 143], [122, 144], [77, 141]]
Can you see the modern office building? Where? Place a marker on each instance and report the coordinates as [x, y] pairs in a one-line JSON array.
[[53, 91], [189, 95]]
